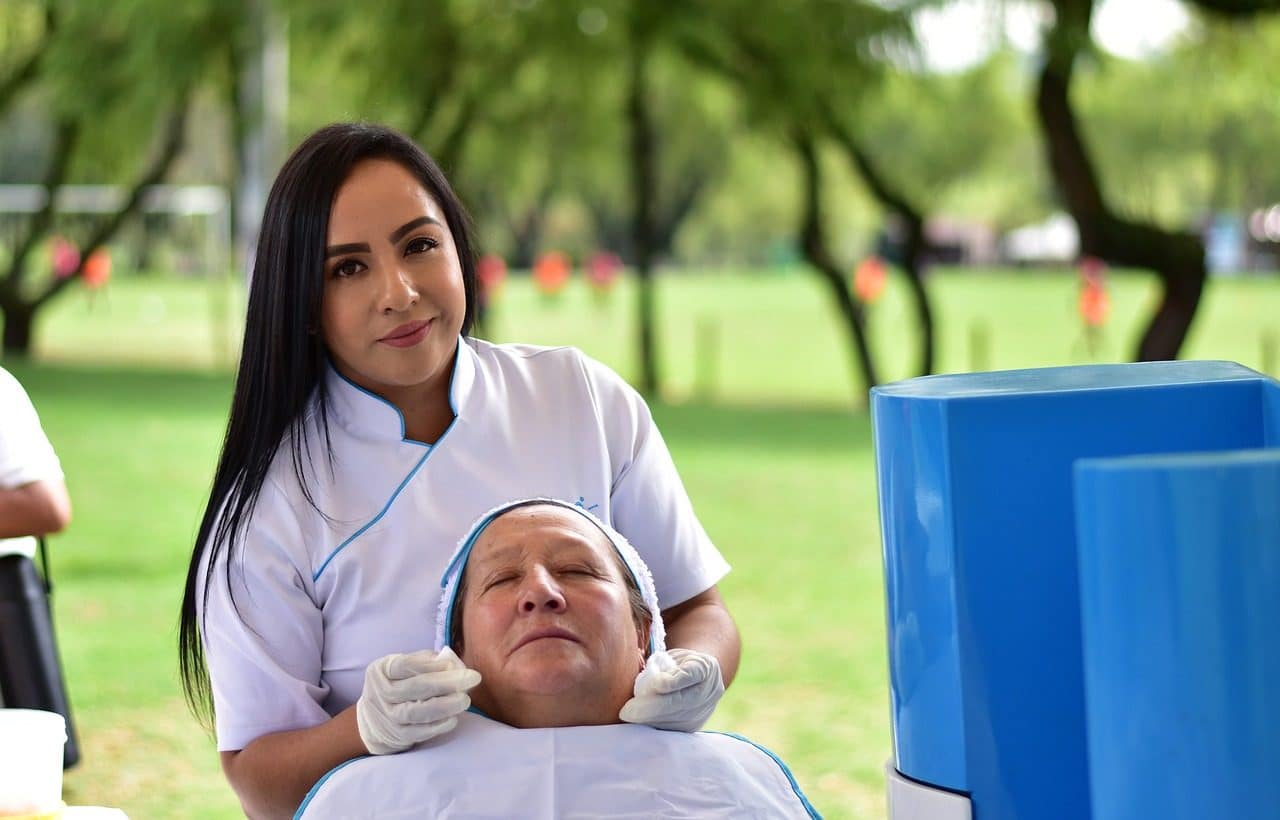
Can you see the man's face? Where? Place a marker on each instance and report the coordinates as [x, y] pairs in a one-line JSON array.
[[546, 612]]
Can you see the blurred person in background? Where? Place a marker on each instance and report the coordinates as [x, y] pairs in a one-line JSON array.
[[33, 503], [33, 494]]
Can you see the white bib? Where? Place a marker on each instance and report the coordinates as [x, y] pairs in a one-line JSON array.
[[486, 769]]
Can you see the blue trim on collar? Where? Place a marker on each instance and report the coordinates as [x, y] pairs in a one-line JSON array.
[[297, 815], [453, 391], [378, 398], [430, 448], [475, 710], [381, 512], [795, 787]]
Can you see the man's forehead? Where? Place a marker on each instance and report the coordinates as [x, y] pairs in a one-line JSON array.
[[513, 533]]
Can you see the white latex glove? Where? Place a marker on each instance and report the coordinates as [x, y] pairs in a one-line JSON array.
[[677, 689], [410, 698]]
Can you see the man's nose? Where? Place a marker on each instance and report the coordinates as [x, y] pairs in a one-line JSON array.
[[541, 593], [399, 293]]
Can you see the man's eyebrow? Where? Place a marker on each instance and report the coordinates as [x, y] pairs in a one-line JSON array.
[[496, 556], [399, 233], [352, 247]]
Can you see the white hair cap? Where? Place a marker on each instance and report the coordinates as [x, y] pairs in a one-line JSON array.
[[640, 573]]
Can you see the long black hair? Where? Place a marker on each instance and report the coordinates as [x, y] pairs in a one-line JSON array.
[[283, 359]]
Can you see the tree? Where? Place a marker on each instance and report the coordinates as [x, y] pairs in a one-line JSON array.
[[1177, 257], [93, 74], [1200, 147], [796, 73]]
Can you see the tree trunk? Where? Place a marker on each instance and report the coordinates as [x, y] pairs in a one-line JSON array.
[[1176, 257], [819, 257], [259, 121], [612, 228], [18, 321], [20, 312], [915, 246], [814, 245], [526, 235], [693, 182], [643, 185], [912, 265], [64, 143]]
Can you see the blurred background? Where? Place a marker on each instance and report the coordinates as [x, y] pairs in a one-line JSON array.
[[752, 210]]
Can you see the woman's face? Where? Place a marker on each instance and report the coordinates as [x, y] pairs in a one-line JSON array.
[[393, 300]]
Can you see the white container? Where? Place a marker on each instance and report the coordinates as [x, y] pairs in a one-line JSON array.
[[31, 744]]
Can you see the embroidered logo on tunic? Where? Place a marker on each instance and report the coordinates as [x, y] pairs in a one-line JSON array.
[[582, 502]]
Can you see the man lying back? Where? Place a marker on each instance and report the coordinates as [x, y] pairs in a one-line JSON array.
[[558, 615]]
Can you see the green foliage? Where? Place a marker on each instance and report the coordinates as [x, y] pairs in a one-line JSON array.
[[1192, 130], [116, 68], [952, 140]]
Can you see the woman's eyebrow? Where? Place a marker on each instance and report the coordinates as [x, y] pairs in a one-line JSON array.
[[351, 247], [398, 233], [396, 236]]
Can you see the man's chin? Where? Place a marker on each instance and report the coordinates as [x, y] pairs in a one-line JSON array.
[[550, 679]]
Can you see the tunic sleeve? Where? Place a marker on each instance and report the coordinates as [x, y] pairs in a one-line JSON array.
[[25, 452], [648, 502], [263, 630]]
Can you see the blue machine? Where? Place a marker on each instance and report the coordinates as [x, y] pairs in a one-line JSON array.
[[979, 520], [1180, 609]]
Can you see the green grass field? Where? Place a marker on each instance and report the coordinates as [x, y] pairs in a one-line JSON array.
[[759, 410]]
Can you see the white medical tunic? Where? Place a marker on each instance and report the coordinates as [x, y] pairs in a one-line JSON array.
[[487, 769], [313, 598], [25, 452]]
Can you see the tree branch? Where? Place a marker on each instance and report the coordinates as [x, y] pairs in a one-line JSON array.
[[30, 68], [701, 54], [63, 147], [1069, 159], [643, 178], [1176, 257], [817, 254], [866, 167], [669, 219], [916, 244], [449, 154], [175, 132], [1238, 8]]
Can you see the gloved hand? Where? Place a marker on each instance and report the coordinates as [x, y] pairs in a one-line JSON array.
[[410, 698], [677, 689]]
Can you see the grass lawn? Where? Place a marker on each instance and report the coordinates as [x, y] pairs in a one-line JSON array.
[[133, 387]]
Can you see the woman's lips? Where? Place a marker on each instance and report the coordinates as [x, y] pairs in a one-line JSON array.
[[551, 632], [408, 334]]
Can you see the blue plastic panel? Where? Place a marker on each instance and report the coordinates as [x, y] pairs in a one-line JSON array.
[[1271, 410], [1180, 605], [924, 659], [975, 476]]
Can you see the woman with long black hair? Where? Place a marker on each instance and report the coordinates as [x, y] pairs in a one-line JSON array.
[[367, 430]]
